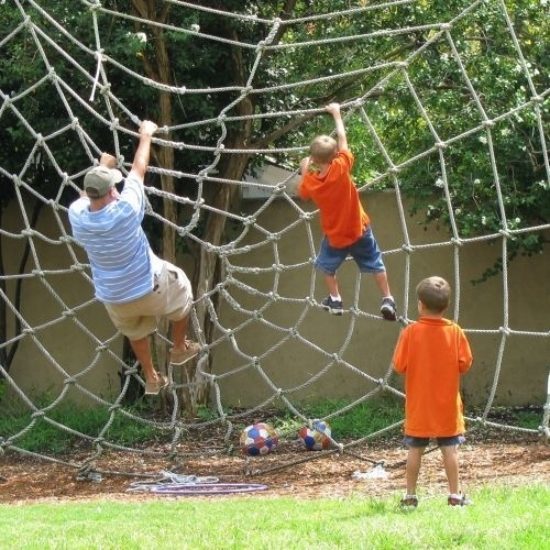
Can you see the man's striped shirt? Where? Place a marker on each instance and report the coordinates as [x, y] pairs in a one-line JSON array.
[[122, 262]]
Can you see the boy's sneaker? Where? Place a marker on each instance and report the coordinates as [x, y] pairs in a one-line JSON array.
[[387, 309], [332, 306], [409, 502], [458, 500]]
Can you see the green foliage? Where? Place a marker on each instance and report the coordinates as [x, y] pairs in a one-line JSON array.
[[482, 40], [495, 70]]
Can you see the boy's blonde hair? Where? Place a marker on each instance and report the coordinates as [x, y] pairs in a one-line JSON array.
[[323, 149], [435, 293]]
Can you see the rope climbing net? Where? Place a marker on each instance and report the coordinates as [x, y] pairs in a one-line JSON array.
[[92, 83]]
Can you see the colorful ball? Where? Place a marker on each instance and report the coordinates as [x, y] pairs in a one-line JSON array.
[[258, 439], [316, 438]]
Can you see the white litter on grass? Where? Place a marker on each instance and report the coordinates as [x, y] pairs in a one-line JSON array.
[[378, 472]]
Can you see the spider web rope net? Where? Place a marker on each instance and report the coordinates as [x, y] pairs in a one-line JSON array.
[[98, 101]]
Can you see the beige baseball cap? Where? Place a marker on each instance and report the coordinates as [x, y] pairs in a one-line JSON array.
[[99, 180]]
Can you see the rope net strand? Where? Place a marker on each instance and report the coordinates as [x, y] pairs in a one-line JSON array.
[[80, 71]]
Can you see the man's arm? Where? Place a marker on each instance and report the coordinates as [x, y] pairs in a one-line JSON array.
[[141, 158], [334, 110]]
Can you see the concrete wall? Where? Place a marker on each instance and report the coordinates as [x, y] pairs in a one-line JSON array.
[[366, 343], [291, 363]]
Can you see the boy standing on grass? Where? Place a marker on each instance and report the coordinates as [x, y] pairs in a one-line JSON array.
[[326, 179], [433, 353]]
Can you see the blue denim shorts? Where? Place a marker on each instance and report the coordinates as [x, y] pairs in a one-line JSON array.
[[364, 251], [411, 441]]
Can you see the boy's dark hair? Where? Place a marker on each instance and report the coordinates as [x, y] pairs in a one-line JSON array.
[[435, 293], [323, 149]]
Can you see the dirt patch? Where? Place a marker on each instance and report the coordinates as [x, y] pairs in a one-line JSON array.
[[289, 471]]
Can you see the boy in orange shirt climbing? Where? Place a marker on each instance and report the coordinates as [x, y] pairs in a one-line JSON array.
[[326, 179], [433, 353]]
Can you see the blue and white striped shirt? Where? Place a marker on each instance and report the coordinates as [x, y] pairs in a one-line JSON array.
[[123, 264]]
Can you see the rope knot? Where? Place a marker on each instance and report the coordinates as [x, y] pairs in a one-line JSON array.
[[506, 233]]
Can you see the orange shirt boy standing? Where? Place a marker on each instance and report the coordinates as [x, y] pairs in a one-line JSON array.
[[432, 354]]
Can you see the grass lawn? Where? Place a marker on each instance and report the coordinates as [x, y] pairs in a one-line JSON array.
[[499, 518]]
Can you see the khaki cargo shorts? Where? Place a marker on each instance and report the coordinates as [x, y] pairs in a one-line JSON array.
[[170, 298]]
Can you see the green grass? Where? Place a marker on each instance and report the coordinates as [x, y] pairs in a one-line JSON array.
[[45, 437], [502, 518], [363, 419]]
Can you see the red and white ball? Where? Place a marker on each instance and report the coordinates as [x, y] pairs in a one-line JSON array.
[[258, 439], [316, 438]]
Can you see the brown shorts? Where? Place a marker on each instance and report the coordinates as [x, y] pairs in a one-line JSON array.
[[171, 298]]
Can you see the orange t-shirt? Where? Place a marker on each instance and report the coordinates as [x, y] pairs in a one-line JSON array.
[[343, 219], [432, 354]]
